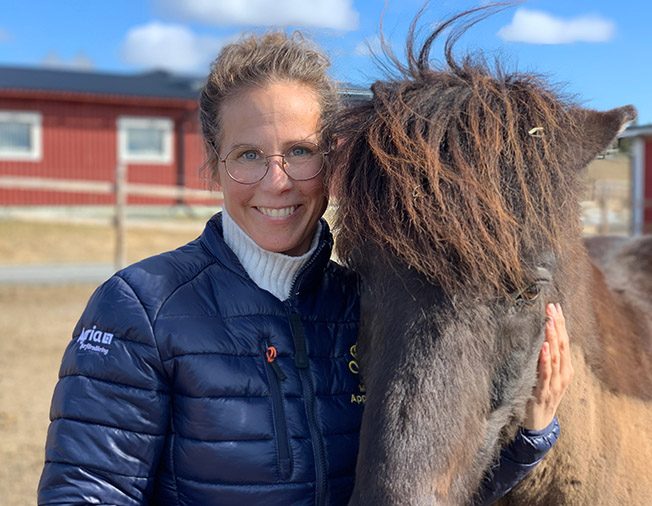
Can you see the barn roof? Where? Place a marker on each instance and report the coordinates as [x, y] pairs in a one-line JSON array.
[[637, 131], [159, 84], [154, 84]]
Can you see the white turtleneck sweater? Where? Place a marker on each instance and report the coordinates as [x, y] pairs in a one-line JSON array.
[[274, 272]]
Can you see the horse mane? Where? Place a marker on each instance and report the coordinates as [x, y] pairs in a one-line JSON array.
[[459, 169]]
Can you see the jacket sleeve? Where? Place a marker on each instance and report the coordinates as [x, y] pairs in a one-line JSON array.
[[516, 460], [110, 408]]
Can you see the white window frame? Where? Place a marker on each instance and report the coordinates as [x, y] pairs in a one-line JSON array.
[[35, 120], [164, 124]]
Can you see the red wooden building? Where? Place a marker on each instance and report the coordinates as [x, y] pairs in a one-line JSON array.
[[72, 125], [77, 125], [641, 153]]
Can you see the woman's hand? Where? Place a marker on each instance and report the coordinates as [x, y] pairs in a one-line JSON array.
[[555, 372]]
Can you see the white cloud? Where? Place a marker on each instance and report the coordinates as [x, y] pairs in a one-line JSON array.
[[169, 46], [369, 46], [336, 14], [78, 62], [537, 27], [5, 36]]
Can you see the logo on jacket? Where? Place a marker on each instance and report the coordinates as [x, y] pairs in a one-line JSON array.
[[361, 396], [92, 340], [353, 364]]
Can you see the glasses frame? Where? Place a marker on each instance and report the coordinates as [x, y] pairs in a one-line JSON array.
[[283, 164]]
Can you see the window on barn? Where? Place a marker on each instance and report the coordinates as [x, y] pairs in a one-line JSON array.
[[20, 136], [145, 140]]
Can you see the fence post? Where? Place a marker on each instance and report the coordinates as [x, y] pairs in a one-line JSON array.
[[637, 176], [119, 217]]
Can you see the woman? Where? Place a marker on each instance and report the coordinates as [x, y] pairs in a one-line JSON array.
[[224, 372]]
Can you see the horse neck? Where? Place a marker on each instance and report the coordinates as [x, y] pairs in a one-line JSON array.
[[615, 334]]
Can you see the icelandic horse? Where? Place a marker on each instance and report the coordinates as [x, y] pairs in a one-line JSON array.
[[458, 203]]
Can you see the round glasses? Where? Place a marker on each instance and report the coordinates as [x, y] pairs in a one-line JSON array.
[[249, 164]]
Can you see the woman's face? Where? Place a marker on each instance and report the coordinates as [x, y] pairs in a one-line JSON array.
[[278, 213]]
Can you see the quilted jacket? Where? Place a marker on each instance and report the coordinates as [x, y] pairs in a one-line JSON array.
[[167, 393], [187, 384]]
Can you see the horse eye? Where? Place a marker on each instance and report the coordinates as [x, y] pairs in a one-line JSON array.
[[529, 294]]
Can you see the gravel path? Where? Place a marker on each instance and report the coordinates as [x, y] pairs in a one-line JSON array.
[[55, 273]]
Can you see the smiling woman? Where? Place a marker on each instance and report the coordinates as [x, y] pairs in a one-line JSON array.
[[227, 379]]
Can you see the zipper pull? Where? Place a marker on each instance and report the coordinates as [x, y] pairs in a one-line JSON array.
[[270, 355]]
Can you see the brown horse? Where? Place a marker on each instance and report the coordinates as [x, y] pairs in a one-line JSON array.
[[458, 195]]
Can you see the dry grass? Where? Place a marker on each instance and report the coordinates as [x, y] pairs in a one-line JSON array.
[[46, 243], [616, 167], [35, 325]]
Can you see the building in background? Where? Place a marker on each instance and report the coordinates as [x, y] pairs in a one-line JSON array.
[[641, 173], [73, 125], [78, 126]]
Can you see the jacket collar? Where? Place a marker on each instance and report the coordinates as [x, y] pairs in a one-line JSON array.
[[212, 239]]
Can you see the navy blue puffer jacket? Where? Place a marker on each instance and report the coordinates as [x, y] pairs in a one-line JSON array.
[[166, 396]]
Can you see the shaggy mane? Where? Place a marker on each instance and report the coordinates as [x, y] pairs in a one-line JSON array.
[[459, 170]]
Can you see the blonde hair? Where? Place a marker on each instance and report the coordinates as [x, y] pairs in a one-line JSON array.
[[256, 61]]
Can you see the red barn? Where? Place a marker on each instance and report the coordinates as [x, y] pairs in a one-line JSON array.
[[75, 125], [72, 125], [641, 152]]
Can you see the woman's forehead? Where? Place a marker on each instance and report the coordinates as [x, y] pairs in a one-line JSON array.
[[277, 113]]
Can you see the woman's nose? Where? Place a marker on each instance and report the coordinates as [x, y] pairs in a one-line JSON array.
[[276, 174]]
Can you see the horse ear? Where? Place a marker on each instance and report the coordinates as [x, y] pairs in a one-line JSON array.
[[599, 129]]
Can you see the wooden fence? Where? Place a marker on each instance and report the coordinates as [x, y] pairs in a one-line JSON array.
[[121, 189]]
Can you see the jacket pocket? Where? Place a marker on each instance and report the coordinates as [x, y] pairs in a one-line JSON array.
[[275, 376]]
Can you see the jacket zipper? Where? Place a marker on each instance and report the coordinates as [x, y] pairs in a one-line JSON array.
[[275, 376], [307, 387], [319, 453]]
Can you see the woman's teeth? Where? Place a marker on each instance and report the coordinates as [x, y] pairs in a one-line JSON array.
[[277, 212]]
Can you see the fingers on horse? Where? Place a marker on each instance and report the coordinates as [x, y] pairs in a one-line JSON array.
[[565, 365], [545, 372], [553, 335], [560, 325]]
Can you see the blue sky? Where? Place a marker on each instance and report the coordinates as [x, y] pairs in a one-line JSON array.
[[601, 50]]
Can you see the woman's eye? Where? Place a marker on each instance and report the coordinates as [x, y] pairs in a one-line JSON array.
[[300, 151], [249, 156]]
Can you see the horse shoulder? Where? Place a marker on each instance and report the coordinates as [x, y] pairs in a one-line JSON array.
[[621, 298]]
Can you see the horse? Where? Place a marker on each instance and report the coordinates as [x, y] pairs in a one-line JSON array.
[[457, 190]]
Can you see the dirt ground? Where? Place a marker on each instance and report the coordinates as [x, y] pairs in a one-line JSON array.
[[23, 243], [36, 323]]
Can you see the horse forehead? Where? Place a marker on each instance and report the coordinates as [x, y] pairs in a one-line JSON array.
[[541, 262]]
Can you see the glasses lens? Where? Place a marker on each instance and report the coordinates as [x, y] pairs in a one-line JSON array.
[[246, 164], [303, 161]]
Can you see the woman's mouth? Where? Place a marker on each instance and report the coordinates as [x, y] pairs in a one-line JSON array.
[[277, 212]]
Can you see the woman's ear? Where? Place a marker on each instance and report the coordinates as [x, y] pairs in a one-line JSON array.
[[214, 160], [212, 164], [217, 180]]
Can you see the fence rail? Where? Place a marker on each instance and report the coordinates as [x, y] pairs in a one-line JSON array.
[[104, 187], [121, 189]]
